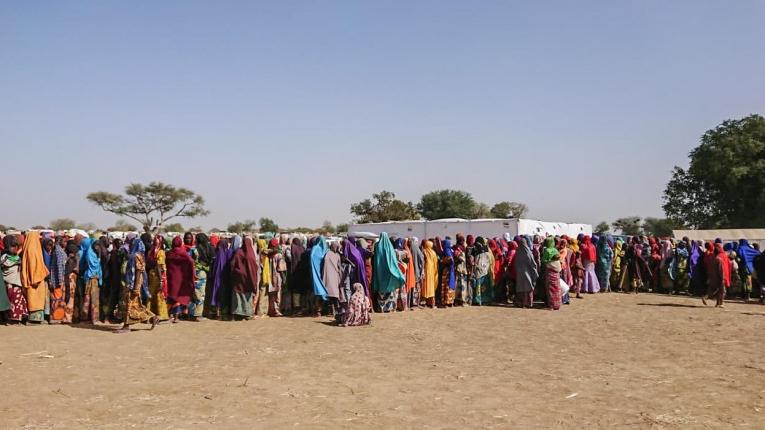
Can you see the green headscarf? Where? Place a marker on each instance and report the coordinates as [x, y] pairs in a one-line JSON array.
[[387, 275], [549, 252]]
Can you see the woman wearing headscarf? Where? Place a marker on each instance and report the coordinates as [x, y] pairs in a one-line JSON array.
[[418, 266], [482, 272], [91, 274], [117, 265], [635, 263], [590, 282], [294, 283], [605, 257], [10, 262], [358, 308], [180, 279], [460, 271], [551, 262], [58, 281], [510, 274], [201, 268], [245, 280], [317, 252], [278, 277], [526, 275], [430, 274], [577, 268], [331, 275], [220, 300], [678, 268], [448, 277], [747, 254], [156, 271], [33, 274], [264, 284], [136, 281], [387, 276], [204, 264]]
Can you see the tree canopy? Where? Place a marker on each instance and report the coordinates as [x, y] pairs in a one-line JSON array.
[[447, 204], [267, 224], [602, 228], [62, 224], [122, 225], [240, 227], [629, 226], [384, 206], [509, 210], [724, 185], [173, 227], [151, 205], [659, 227]]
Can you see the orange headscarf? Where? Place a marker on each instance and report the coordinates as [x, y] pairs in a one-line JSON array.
[[33, 270]]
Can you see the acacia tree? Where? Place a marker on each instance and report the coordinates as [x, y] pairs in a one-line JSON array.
[[724, 185], [151, 205], [122, 225]]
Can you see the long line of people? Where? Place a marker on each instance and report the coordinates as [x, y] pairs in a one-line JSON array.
[[72, 277]]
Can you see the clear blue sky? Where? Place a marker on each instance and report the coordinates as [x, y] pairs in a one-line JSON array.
[[294, 110]]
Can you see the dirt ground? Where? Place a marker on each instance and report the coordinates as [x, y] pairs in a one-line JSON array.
[[610, 360]]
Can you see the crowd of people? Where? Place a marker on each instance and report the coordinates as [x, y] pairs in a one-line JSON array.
[[75, 277]]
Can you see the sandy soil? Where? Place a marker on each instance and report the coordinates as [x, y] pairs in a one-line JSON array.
[[607, 361]]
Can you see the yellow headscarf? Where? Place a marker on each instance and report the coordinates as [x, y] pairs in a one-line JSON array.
[[265, 263], [573, 244]]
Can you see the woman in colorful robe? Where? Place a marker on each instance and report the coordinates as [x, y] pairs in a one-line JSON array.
[[430, 275], [91, 275], [358, 308], [157, 274], [448, 277], [679, 269], [332, 275], [220, 301], [10, 262], [317, 252], [577, 268], [590, 282], [245, 280], [483, 268], [617, 267], [551, 262], [136, 281], [387, 276], [526, 275], [418, 266], [33, 275], [180, 279], [58, 281], [605, 257]]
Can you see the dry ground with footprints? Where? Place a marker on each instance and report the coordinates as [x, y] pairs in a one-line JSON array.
[[608, 361]]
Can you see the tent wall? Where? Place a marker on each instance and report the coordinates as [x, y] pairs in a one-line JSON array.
[[478, 227]]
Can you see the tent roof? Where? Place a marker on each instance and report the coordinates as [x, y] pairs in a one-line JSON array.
[[725, 234]]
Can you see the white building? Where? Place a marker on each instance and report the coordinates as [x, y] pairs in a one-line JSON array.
[[489, 228]]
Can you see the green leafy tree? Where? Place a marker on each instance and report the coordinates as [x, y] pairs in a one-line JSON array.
[[151, 205], [267, 224], [724, 185], [62, 224], [173, 227], [384, 206], [122, 225], [659, 227], [342, 228], [629, 226], [509, 210], [240, 227], [602, 228], [447, 204]]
